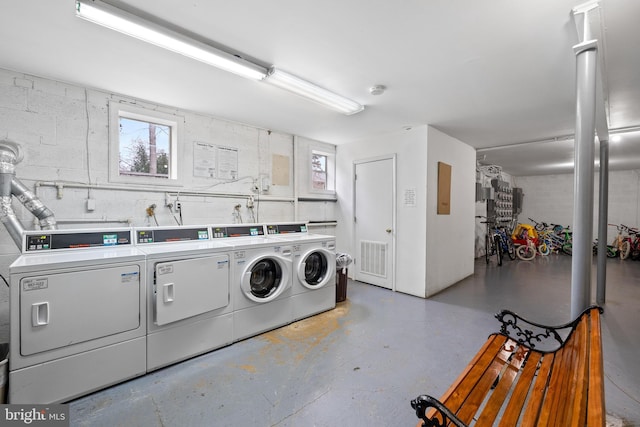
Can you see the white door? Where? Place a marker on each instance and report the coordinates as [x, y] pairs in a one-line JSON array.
[[374, 221]]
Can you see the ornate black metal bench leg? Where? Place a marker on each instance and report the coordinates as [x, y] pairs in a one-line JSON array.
[[443, 415]]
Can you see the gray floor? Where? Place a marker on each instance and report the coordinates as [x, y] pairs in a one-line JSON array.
[[362, 363]]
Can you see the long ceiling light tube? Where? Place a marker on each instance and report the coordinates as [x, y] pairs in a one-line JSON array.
[[313, 92], [124, 22]]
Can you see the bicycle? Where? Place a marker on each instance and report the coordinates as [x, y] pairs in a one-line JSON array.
[[505, 244], [612, 251], [635, 245], [567, 241], [528, 250], [541, 226], [497, 242], [622, 242]]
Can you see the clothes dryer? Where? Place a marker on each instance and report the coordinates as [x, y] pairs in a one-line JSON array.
[[314, 268], [189, 301], [78, 314], [261, 279]]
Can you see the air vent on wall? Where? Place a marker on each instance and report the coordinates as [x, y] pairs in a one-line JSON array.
[[373, 258]]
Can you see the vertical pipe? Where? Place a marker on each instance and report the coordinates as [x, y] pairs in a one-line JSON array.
[[586, 60], [603, 214], [296, 189]]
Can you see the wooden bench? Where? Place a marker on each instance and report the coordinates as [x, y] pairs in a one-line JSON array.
[[527, 374]]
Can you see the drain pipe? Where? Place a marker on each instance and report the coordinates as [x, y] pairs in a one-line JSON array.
[[10, 155]]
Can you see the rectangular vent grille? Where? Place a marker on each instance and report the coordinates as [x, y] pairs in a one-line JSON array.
[[373, 258]]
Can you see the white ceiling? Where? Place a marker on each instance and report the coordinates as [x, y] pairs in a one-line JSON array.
[[490, 73]]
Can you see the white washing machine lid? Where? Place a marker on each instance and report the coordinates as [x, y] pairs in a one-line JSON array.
[[316, 267], [266, 277]]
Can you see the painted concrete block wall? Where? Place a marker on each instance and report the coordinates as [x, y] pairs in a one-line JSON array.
[[550, 199], [450, 238], [410, 148]]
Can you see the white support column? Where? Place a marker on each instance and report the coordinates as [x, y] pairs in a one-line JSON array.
[[590, 117], [586, 56]]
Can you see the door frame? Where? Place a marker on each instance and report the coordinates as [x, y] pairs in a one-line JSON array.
[[354, 243]]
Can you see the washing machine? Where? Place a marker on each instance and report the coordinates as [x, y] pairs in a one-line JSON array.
[[77, 312], [314, 268], [261, 279], [189, 301]]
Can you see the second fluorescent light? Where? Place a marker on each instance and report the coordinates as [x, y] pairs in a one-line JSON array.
[[311, 91]]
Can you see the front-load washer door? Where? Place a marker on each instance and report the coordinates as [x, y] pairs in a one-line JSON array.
[[316, 268], [62, 309], [189, 287], [266, 278]]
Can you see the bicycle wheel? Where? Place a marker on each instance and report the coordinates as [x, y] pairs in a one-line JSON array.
[[526, 252], [625, 248], [487, 248], [567, 248], [498, 246], [511, 249], [544, 249]]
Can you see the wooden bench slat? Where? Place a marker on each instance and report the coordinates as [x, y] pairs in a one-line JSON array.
[[532, 412], [559, 386], [493, 343], [595, 404], [476, 394], [521, 391], [557, 383], [465, 384], [501, 391], [575, 409], [479, 386]]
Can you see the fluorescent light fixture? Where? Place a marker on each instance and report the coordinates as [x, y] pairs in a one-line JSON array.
[[135, 26], [315, 93]]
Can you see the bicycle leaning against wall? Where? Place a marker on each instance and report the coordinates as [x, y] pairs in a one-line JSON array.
[[497, 241]]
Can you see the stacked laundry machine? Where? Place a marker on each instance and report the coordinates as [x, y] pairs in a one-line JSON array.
[[314, 268], [94, 307], [78, 314]]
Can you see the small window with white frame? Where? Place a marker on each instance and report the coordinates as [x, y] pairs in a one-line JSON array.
[[318, 171], [322, 172], [143, 145]]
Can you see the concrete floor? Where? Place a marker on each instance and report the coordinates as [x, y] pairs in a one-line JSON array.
[[362, 363]]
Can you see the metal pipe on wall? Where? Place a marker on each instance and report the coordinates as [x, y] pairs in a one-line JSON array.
[[603, 213], [10, 154], [586, 63]]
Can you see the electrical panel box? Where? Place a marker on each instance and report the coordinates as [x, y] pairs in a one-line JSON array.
[[518, 200], [500, 206]]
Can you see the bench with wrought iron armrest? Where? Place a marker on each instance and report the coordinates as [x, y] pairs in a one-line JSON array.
[[527, 374]]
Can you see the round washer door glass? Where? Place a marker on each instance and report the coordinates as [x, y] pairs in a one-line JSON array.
[[266, 277], [315, 268]]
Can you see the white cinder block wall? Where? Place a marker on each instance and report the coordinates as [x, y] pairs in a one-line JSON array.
[[64, 132], [549, 198]]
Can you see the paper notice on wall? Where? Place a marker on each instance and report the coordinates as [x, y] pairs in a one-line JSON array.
[[204, 159], [410, 197], [227, 163], [280, 170]]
